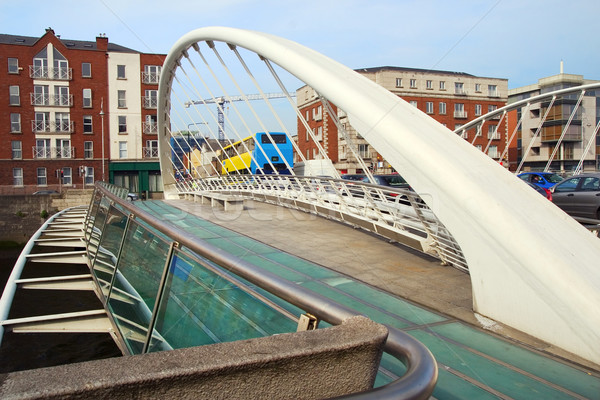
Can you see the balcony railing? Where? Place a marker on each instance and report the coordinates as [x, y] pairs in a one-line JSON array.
[[56, 100], [53, 152], [460, 91], [150, 128], [59, 74], [150, 152], [460, 114], [52, 126], [150, 77], [150, 102]]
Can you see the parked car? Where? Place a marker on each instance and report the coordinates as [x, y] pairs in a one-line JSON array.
[[353, 177], [542, 179], [392, 180], [132, 196], [579, 195], [547, 193]]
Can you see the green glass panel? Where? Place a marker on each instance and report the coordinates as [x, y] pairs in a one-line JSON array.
[[387, 302], [362, 308], [200, 307], [498, 377], [139, 273], [298, 264], [536, 364], [105, 260], [96, 232], [275, 268], [452, 387]]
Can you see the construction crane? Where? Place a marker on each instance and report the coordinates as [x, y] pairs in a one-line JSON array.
[[221, 101]]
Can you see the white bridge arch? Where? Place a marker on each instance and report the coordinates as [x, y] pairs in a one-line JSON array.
[[532, 266]]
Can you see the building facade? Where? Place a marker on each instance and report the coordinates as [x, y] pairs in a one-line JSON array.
[[451, 98], [67, 110], [534, 147]]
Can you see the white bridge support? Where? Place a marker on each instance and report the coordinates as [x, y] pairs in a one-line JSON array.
[[532, 266]]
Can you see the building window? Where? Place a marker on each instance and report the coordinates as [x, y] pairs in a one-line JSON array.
[[151, 99], [122, 124], [14, 96], [413, 83], [87, 124], [155, 182], [13, 65], [87, 98], [151, 148], [442, 85], [88, 149], [42, 179], [17, 149], [459, 88], [429, 107], [492, 107], [121, 99], [89, 175], [17, 176], [363, 150], [413, 103], [493, 90], [398, 82], [477, 109], [442, 108], [493, 151], [429, 84], [62, 122], [122, 149], [63, 148], [459, 110], [61, 96], [151, 74], [15, 122], [86, 70], [478, 87], [67, 176], [120, 72], [493, 132]]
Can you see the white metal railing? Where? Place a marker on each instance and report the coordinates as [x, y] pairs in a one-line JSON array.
[[398, 214], [53, 152], [150, 128], [61, 73], [460, 114], [150, 102], [150, 152], [150, 77], [58, 100], [52, 126]]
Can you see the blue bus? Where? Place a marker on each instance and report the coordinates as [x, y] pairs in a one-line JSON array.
[[246, 157]]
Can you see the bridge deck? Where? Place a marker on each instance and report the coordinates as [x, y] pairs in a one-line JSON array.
[[394, 286]]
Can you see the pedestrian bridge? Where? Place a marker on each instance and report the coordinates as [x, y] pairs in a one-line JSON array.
[[171, 280]]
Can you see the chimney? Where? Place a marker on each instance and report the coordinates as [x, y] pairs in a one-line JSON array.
[[102, 42]]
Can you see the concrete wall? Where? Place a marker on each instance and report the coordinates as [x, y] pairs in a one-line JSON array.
[[20, 216], [304, 365]]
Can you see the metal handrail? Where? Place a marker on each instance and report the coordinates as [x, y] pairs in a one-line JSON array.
[[419, 380], [399, 210]]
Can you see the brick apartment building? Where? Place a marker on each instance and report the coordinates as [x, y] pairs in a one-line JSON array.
[[451, 98], [74, 112]]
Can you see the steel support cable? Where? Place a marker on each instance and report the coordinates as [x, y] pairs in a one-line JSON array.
[[564, 131], [301, 117], [421, 375], [589, 145], [215, 101], [514, 133], [181, 119], [535, 135], [289, 99], [212, 46], [493, 136], [477, 132], [264, 98]]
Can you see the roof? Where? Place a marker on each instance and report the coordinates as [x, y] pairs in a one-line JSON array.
[[405, 69], [70, 44]]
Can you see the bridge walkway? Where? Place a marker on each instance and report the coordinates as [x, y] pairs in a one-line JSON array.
[[391, 285]]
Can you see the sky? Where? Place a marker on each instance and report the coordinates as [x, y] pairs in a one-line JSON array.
[[518, 40]]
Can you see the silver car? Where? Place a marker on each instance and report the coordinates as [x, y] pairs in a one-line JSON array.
[[579, 195]]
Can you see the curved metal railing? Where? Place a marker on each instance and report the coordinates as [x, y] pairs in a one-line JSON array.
[[396, 214], [417, 383]]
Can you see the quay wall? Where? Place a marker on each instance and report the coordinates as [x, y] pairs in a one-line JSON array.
[[22, 215]]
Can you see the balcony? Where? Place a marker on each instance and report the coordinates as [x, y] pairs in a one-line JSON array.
[[58, 127], [460, 114], [52, 100], [460, 92], [151, 78], [150, 152], [44, 152], [493, 93], [150, 128], [150, 102], [57, 74]]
